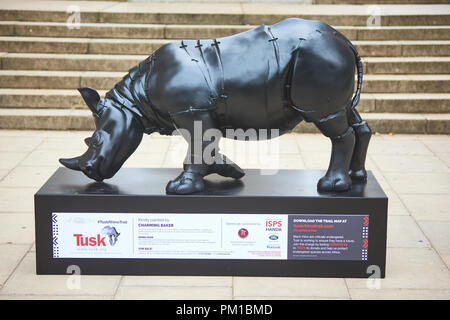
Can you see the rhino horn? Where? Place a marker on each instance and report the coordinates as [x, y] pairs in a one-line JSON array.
[[71, 163]]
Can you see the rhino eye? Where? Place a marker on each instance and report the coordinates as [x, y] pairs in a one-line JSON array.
[[95, 144], [96, 140]]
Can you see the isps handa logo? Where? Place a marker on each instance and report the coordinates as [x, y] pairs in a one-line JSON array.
[[99, 240], [274, 225]]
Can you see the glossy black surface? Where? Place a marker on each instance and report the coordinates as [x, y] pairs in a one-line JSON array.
[[270, 77], [150, 182]]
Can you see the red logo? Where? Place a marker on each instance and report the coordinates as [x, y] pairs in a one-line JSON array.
[[366, 221], [243, 233], [97, 241], [365, 243], [274, 223]]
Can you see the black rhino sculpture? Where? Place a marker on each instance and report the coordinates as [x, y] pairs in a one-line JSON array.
[[270, 77]]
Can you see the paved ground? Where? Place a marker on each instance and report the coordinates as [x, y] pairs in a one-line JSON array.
[[412, 169]]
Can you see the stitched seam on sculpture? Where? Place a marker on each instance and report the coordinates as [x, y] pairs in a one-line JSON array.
[[126, 103], [266, 99], [346, 133], [219, 58], [156, 117], [275, 48], [122, 105], [301, 110], [332, 116], [189, 109], [291, 74], [215, 44], [210, 84], [184, 46]]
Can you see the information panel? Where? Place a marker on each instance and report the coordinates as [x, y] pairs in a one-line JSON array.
[[210, 236], [328, 237], [169, 236]]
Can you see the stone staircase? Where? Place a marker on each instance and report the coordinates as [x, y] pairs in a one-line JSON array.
[[406, 86]]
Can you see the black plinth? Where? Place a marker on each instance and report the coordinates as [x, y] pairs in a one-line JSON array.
[[263, 225]]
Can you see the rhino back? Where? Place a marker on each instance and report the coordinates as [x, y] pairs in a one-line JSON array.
[[243, 77]]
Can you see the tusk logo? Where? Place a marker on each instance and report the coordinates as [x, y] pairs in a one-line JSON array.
[[96, 241], [112, 234]]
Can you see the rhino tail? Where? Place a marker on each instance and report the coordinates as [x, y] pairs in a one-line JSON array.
[[359, 67]]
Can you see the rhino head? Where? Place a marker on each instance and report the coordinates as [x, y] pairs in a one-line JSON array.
[[117, 135]]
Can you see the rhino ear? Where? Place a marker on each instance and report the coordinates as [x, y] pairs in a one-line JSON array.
[[91, 97]]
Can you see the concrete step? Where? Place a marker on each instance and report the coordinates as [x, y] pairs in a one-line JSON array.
[[375, 1], [439, 48], [94, 62], [47, 119], [69, 62], [222, 13], [406, 65], [80, 45], [370, 103], [43, 98], [436, 123], [57, 119], [405, 103], [305, 1], [34, 79], [155, 31], [403, 48], [406, 83]]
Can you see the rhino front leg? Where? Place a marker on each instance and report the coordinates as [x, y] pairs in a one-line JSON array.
[[198, 128], [189, 181], [225, 167], [342, 137]]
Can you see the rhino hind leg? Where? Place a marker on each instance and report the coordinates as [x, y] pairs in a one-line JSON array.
[[362, 134], [342, 136]]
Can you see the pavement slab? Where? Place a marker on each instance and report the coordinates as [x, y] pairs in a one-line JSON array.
[[409, 168]]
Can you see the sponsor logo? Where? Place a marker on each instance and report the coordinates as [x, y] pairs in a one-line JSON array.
[[97, 241], [274, 225], [243, 233], [273, 237], [112, 234]]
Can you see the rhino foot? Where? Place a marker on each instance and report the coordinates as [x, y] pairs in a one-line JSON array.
[[358, 175], [186, 183], [226, 168], [334, 182]]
